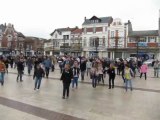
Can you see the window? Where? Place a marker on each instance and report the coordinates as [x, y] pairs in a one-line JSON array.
[[142, 39], [105, 28], [55, 35], [103, 41], [84, 42], [94, 42], [94, 30], [85, 30], [112, 34], [66, 37], [151, 39]]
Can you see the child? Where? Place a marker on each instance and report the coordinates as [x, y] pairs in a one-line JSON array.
[[38, 74]]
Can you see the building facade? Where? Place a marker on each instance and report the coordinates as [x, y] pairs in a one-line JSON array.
[[33, 46], [60, 43], [95, 36], [11, 41], [76, 42], [145, 43], [117, 39]]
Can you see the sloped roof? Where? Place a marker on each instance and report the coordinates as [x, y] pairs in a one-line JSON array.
[[143, 33], [20, 34], [60, 30], [101, 20], [77, 31], [2, 27]]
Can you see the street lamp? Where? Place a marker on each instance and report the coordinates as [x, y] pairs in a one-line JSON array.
[[97, 45]]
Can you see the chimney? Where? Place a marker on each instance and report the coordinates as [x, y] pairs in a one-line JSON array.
[[84, 18]]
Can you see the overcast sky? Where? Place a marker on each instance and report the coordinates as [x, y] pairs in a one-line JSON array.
[[40, 17]]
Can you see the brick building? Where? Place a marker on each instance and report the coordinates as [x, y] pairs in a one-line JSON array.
[[11, 41]]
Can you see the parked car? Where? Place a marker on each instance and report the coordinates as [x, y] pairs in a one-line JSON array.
[[149, 62]]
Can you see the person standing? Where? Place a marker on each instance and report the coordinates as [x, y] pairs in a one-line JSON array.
[[38, 74], [100, 73], [11, 62], [94, 75], [66, 77], [143, 70], [112, 75], [76, 72], [128, 73], [88, 66], [2, 71], [6, 62], [156, 67], [83, 68], [20, 69], [29, 64]]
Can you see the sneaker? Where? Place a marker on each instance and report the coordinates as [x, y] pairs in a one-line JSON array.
[[63, 97], [34, 88]]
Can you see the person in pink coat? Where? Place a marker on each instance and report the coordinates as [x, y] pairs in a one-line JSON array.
[[143, 70]]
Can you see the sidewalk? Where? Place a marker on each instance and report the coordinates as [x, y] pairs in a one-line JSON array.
[[151, 82]]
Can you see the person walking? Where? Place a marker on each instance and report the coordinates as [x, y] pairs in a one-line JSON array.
[[143, 70], [66, 77], [2, 71], [47, 64], [20, 69], [128, 73], [38, 74], [76, 72], [112, 75]]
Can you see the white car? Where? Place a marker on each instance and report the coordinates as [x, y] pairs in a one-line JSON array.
[[149, 62]]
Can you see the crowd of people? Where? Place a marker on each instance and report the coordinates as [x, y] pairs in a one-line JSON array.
[[73, 68]]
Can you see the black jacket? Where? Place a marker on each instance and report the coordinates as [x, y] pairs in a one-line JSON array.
[[83, 66], [38, 73], [111, 72], [67, 76], [20, 66]]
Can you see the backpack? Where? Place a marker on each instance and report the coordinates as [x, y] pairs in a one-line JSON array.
[[2, 67]]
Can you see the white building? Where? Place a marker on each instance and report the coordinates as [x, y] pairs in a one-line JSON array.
[[95, 36], [117, 39], [61, 40]]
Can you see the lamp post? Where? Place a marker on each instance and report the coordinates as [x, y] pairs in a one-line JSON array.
[[97, 45]]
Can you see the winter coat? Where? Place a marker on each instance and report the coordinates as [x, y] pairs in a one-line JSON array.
[[144, 68]]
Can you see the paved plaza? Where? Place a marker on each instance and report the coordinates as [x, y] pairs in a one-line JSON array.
[[19, 101]]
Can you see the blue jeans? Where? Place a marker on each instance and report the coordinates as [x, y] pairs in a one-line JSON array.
[[75, 81], [29, 69], [94, 81], [128, 82], [20, 72], [38, 82], [2, 76]]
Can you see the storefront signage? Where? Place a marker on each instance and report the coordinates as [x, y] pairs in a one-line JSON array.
[[142, 44]]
